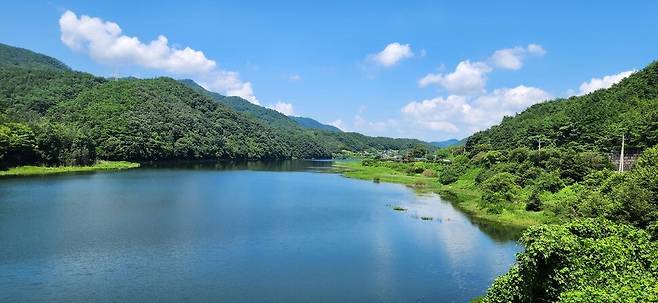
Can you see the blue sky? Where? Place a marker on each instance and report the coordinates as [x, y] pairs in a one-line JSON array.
[[479, 60]]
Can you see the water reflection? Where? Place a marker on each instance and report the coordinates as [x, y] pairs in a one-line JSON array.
[[236, 232], [270, 165]]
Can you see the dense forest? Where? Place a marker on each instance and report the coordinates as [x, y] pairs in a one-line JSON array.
[[52, 115], [330, 137], [594, 122]]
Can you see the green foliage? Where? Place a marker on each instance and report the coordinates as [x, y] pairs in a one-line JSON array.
[[17, 144], [500, 190], [313, 124], [593, 122], [429, 173], [13, 56], [301, 130], [590, 260], [456, 168], [629, 197], [75, 118]]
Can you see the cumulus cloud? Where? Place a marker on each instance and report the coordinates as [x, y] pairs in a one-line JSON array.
[[512, 58], [392, 54], [373, 127], [468, 78], [605, 82], [462, 115], [284, 108], [105, 42]]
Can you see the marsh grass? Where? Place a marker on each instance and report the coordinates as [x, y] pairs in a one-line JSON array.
[[45, 170], [463, 193]]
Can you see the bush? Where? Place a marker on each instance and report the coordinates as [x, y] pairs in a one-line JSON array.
[[549, 182], [449, 175], [534, 202], [500, 188], [590, 260], [429, 173]]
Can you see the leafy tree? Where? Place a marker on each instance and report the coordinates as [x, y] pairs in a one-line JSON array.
[[592, 260]]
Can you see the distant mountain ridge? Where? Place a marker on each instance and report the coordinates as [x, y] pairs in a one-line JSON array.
[[314, 124], [448, 143], [261, 112]]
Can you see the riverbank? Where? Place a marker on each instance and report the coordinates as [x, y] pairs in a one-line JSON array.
[[45, 170], [463, 193]]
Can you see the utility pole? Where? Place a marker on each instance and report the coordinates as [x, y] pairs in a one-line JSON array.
[[621, 155], [539, 144]]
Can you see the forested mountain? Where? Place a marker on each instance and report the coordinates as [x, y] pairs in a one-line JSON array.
[[262, 113], [447, 143], [314, 124], [333, 140], [595, 121], [14, 56], [52, 115]]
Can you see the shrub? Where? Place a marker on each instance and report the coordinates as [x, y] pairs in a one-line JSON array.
[[500, 188], [449, 175], [549, 182], [429, 173], [590, 260]]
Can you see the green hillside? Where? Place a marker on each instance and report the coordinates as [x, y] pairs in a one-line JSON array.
[[314, 124], [52, 115], [595, 121], [14, 56], [332, 140]]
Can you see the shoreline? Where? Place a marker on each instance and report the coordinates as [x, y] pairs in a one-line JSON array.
[[461, 194], [31, 170]]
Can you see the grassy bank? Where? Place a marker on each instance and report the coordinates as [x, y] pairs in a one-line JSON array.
[[463, 193], [44, 170]]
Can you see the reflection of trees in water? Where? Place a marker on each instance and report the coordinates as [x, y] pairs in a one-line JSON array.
[[497, 232], [273, 165]]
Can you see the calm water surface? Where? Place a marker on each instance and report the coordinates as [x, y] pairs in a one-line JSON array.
[[237, 233]]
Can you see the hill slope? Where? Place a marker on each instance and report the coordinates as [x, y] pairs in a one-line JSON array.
[[52, 115], [332, 140], [14, 56], [314, 124], [595, 121]]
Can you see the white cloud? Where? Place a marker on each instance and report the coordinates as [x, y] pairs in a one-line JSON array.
[[374, 127], [392, 54], [284, 108], [467, 79], [339, 124], [104, 42], [462, 115], [295, 77], [512, 58], [605, 82]]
